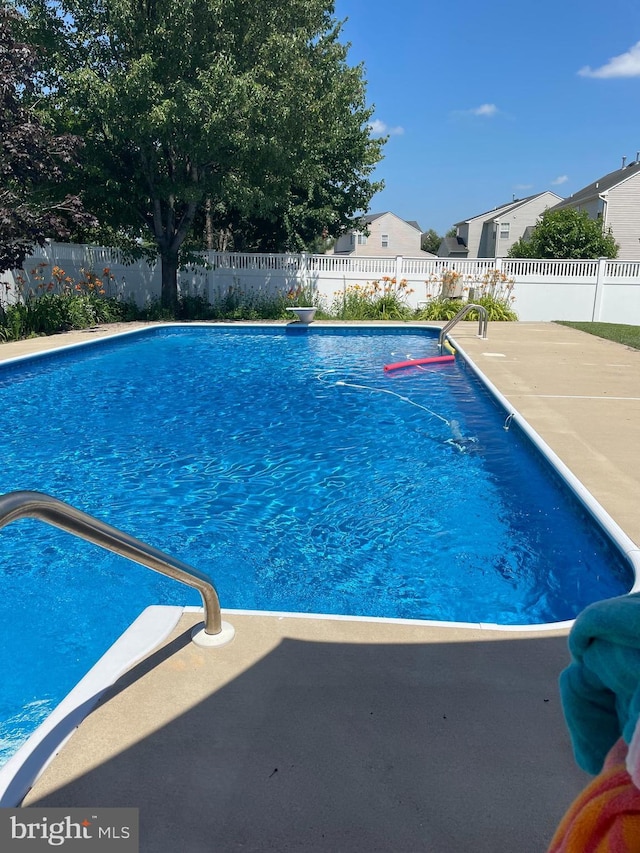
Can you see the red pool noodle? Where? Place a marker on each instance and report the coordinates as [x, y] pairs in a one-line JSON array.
[[435, 359]]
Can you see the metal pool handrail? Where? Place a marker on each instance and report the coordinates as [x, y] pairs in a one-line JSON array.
[[24, 504], [483, 322]]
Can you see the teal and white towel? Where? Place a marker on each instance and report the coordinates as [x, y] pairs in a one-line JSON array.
[[600, 690]]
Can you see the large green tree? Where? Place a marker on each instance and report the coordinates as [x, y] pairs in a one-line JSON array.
[[33, 160], [566, 233], [224, 111], [431, 241]]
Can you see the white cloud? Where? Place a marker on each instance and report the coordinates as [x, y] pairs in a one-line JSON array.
[[380, 128], [523, 186], [487, 110], [561, 179], [484, 111], [625, 65]]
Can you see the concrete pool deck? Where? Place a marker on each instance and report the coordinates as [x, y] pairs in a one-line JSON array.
[[309, 734]]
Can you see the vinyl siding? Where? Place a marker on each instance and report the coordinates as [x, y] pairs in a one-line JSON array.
[[592, 206], [403, 240], [474, 237], [519, 220], [623, 217], [479, 235], [343, 244]]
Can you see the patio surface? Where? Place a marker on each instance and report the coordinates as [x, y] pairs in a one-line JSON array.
[[311, 734]]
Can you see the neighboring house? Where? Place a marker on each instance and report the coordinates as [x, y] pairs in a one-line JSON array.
[[453, 247], [614, 199], [387, 235], [493, 233]]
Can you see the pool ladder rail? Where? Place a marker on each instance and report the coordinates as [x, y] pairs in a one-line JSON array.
[[24, 504], [483, 322]]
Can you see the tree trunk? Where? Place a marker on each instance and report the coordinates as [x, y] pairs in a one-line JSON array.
[[169, 293], [208, 226]]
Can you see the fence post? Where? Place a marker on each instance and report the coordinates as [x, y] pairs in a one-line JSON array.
[[597, 300], [498, 265], [303, 269], [398, 275]]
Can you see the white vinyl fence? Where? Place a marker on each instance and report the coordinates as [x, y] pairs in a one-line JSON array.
[[581, 290]]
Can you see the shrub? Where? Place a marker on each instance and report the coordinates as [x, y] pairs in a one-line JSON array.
[[497, 309], [379, 300], [493, 290], [439, 309], [59, 304], [567, 233], [235, 303]]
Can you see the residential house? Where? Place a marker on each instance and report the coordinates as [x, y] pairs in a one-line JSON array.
[[453, 247], [387, 235], [493, 233], [615, 200]]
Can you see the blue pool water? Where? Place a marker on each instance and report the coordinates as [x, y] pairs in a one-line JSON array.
[[296, 472]]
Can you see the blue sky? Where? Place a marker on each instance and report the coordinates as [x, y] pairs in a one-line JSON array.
[[486, 101]]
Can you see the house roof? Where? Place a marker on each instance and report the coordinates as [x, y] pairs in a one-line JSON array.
[[454, 244], [504, 208], [600, 186], [370, 217]]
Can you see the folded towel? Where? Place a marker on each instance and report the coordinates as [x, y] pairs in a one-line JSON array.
[[600, 690], [605, 817]]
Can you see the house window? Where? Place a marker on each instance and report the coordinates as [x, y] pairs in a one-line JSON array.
[[353, 239], [385, 241], [504, 230], [362, 239]]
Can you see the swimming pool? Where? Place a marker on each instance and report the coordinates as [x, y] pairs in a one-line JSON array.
[[292, 469]]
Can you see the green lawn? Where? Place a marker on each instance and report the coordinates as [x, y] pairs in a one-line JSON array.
[[618, 332]]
